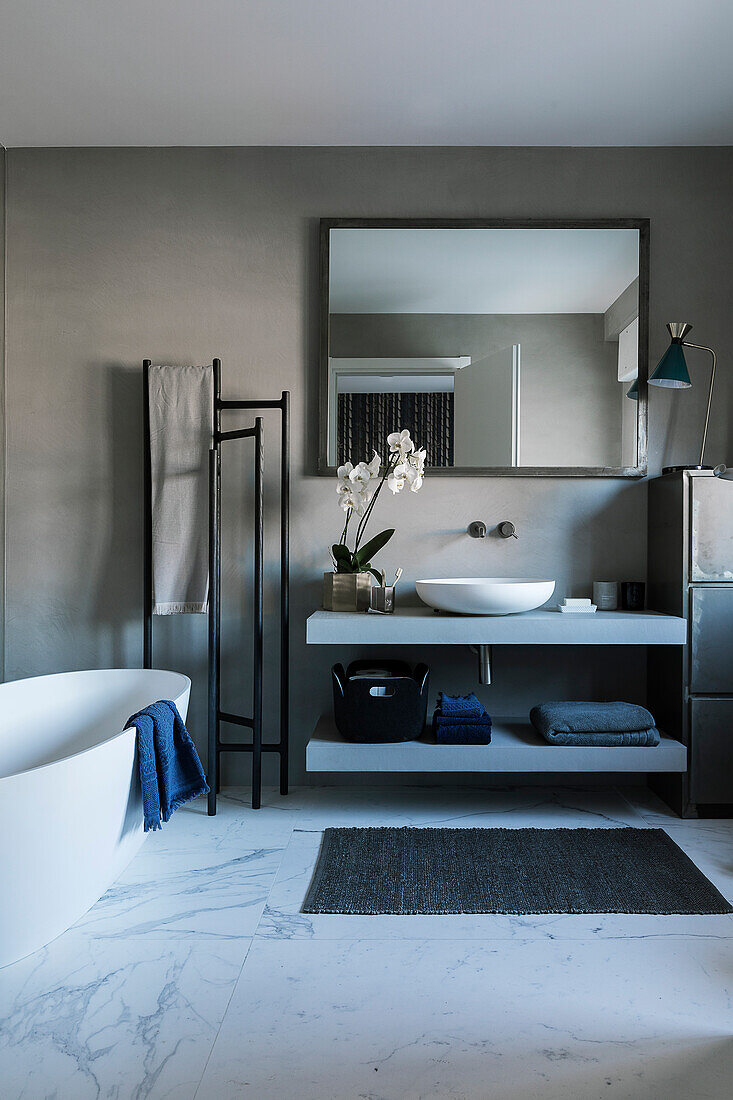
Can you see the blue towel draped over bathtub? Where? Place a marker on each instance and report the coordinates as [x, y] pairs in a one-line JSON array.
[[170, 769]]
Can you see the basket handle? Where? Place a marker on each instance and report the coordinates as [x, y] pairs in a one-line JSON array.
[[339, 676]]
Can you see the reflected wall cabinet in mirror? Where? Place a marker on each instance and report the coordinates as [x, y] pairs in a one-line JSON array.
[[505, 347]]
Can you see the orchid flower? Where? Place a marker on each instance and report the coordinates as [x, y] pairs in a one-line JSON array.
[[352, 498], [416, 470], [400, 443], [365, 472], [353, 484], [410, 471], [358, 487], [397, 477]]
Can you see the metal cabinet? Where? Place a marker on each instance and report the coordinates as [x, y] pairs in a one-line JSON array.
[[711, 639], [711, 768], [711, 528], [690, 573]]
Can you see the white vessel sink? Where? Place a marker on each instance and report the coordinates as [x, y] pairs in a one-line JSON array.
[[485, 595]]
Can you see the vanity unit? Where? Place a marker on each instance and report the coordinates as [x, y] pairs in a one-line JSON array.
[[515, 747], [690, 574]]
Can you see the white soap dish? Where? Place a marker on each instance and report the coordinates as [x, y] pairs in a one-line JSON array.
[[586, 609]]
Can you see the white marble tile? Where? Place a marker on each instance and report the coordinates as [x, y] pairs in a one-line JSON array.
[[128, 1003], [183, 894], [234, 824], [645, 1019], [648, 804], [319, 807], [85, 1018], [197, 876], [283, 920]]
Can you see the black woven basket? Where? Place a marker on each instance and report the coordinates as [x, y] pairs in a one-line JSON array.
[[380, 709]]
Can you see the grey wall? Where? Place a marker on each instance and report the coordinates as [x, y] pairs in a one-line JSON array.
[[3, 166], [570, 408], [183, 254]]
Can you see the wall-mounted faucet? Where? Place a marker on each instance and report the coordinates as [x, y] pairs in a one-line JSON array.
[[478, 529], [507, 530]]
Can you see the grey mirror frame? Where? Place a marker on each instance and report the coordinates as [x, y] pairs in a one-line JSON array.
[[641, 224]]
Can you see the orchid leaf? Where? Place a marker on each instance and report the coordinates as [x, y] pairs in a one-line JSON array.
[[341, 553], [366, 552]]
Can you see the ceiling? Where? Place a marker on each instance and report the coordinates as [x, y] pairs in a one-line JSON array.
[[480, 270], [365, 72]]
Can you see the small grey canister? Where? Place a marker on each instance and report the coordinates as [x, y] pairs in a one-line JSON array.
[[605, 595]]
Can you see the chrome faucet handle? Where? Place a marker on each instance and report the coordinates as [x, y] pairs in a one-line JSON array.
[[477, 529], [507, 530]]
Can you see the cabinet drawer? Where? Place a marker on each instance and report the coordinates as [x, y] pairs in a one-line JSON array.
[[711, 557], [711, 758], [711, 610]]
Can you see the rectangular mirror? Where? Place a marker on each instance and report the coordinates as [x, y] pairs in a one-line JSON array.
[[505, 348]]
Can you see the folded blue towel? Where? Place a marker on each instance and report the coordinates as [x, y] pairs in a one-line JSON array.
[[461, 720], [462, 733], [582, 723], [170, 769], [484, 720], [466, 707]]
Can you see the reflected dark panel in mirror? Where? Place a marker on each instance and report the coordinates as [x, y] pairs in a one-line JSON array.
[[366, 419], [503, 348]]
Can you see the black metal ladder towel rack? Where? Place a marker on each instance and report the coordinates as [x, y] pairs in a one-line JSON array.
[[215, 714]]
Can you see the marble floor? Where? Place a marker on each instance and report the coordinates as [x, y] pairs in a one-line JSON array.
[[196, 976]]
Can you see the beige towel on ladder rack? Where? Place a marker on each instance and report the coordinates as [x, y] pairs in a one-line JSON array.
[[181, 402]]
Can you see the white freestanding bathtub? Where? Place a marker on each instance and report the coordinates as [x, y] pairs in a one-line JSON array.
[[70, 801]]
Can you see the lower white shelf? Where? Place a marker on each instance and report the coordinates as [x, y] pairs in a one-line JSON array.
[[515, 747]]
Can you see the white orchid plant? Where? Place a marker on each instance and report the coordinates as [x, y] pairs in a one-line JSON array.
[[358, 488]]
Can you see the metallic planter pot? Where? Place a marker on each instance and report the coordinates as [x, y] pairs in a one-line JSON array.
[[346, 591]]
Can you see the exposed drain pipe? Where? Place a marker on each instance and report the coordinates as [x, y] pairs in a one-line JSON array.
[[484, 662]]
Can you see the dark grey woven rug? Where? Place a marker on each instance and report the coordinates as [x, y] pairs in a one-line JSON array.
[[370, 871]]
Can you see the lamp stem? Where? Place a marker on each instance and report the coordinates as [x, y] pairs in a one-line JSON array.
[[702, 347]]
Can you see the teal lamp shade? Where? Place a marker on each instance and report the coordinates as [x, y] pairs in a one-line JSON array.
[[672, 370], [633, 390]]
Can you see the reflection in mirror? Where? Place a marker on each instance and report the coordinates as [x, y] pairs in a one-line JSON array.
[[501, 348]]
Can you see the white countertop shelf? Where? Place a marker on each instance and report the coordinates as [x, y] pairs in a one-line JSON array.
[[422, 626], [515, 747]]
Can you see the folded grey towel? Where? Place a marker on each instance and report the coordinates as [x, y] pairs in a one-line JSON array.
[[583, 723]]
